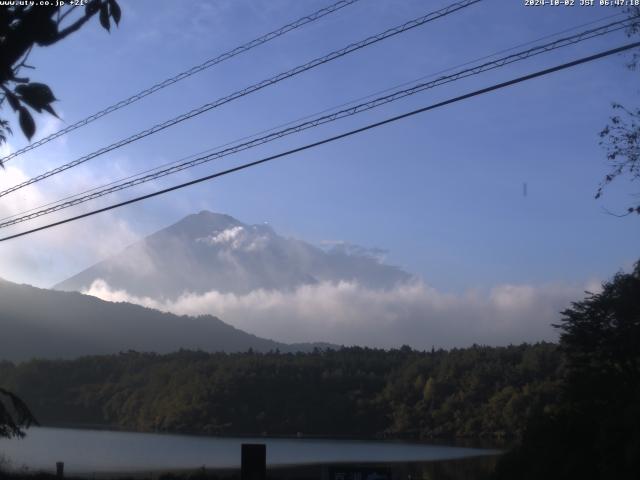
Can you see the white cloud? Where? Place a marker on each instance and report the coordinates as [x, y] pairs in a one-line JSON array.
[[347, 313], [230, 236], [236, 238]]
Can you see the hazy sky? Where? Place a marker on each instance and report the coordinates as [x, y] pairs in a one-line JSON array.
[[442, 192]]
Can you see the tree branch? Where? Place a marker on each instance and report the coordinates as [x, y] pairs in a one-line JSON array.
[[75, 26]]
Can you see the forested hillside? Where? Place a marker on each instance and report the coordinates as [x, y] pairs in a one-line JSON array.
[[472, 392], [49, 324]]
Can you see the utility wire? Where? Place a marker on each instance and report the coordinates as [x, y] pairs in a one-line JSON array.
[[370, 126], [253, 88], [306, 117], [139, 179], [312, 17]]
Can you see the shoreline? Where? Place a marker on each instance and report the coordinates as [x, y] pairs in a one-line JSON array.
[[113, 454], [314, 470], [460, 442]]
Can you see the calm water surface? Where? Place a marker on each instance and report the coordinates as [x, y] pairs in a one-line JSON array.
[[107, 451]]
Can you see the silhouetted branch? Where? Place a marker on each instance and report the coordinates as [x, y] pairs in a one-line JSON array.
[[14, 415]]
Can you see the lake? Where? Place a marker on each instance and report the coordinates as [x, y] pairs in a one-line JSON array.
[[95, 451]]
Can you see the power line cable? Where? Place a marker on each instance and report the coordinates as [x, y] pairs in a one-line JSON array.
[[334, 138], [306, 117], [177, 167], [139, 179], [312, 17], [253, 88]]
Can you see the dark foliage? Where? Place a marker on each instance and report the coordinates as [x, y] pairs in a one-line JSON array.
[[621, 137], [14, 415], [22, 27], [472, 392], [594, 431]]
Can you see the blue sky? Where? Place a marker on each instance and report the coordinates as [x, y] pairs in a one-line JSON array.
[[441, 192]]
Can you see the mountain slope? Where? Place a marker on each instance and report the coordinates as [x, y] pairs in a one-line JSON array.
[[209, 251], [52, 324]]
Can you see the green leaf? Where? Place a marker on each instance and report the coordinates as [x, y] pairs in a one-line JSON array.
[[116, 13], [27, 124], [91, 7], [50, 109], [104, 17], [36, 95], [45, 31], [13, 101]]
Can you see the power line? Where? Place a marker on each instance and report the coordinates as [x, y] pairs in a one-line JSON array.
[[253, 88], [312, 17], [370, 126], [306, 117], [139, 179]]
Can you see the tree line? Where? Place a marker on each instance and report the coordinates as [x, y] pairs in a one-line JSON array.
[[471, 392]]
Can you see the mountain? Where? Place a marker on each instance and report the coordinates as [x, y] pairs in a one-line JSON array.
[[210, 251], [50, 324]]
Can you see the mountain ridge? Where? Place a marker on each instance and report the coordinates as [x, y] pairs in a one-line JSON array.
[[53, 324], [215, 252]]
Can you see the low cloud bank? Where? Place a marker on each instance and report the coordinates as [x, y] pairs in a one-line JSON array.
[[348, 313]]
